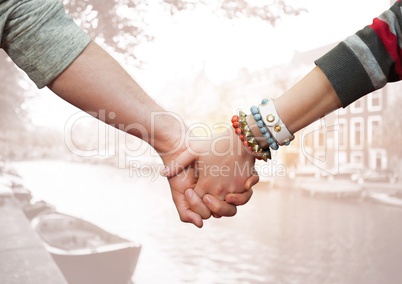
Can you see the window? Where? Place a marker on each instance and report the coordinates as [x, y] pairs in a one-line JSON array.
[[342, 133], [378, 159], [356, 133], [374, 131], [374, 102], [321, 138], [319, 134], [357, 158], [357, 106]]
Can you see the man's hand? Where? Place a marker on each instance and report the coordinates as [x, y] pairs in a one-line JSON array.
[[224, 169], [193, 209]]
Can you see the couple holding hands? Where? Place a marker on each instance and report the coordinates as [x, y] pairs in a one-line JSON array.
[[208, 176]]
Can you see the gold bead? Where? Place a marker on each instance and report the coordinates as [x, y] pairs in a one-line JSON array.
[[270, 117], [248, 134], [277, 128], [242, 114]]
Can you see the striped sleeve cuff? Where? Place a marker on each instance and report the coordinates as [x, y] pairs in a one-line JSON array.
[[346, 73]]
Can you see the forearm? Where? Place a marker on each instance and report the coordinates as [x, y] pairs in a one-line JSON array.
[[96, 82], [307, 101]]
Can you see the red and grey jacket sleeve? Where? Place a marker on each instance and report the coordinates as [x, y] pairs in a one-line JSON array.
[[367, 60]]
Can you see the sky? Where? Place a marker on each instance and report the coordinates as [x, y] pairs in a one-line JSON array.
[[187, 42], [192, 39]]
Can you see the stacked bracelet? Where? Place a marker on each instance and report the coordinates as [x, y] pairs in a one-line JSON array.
[[270, 124], [243, 131]]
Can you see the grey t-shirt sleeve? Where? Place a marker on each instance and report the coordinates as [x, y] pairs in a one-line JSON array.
[[40, 37]]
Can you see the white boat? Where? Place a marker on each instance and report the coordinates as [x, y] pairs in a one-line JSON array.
[[84, 252], [386, 198], [324, 188], [32, 210]]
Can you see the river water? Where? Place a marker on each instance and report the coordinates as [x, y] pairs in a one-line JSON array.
[[280, 236]]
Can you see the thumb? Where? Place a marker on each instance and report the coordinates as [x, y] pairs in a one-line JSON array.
[[252, 180], [178, 164]]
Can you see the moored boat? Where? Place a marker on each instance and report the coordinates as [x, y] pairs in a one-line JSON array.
[[32, 210], [84, 252], [385, 198], [322, 188]]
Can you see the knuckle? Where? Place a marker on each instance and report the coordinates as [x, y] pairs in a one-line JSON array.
[[233, 212], [206, 215], [184, 218], [226, 210], [219, 192]]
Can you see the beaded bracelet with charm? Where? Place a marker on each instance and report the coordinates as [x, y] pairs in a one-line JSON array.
[[243, 131]]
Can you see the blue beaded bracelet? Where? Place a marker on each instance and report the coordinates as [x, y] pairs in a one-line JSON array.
[[273, 144], [264, 131]]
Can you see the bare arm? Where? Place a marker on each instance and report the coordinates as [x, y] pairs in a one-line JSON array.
[[307, 101], [95, 81]]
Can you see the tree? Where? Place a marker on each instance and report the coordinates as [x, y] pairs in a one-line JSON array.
[[121, 25], [269, 11], [12, 95]]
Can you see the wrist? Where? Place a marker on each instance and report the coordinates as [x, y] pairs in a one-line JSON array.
[[168, 134], [247, 138]]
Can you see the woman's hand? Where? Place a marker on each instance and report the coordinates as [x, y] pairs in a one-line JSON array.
[[224, 169]]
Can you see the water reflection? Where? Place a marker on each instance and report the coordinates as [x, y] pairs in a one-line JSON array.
[[281, 236]]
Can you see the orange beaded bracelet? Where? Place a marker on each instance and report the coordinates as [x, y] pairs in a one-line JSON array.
[[243, 131]]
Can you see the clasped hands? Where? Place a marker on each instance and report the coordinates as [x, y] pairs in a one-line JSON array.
[[210, 177]]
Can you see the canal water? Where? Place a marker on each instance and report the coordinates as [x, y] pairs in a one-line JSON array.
[[280, 236]]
